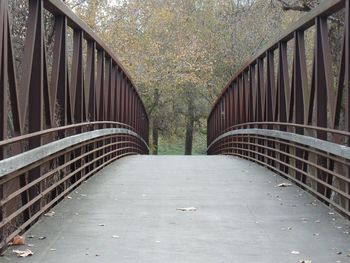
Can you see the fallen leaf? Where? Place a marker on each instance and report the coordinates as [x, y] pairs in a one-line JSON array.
[[339, 253], [304, 220], [41, 238], [101, 224], [305, 261], [187, 209], [283, 185], [295, 252], [30, 245], [53, 249], [18, 241], [23, 253], [30, 236], [317, 221], [115, 236], [69, 197], [50, 214]]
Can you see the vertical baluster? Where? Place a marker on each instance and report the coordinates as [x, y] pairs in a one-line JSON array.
[[283, 98], [347, 88], [322, 84], [90, 81]]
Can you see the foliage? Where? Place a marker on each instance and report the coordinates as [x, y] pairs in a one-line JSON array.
[[181, 53]]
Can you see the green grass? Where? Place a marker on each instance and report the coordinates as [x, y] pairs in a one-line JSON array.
[[176, 146]]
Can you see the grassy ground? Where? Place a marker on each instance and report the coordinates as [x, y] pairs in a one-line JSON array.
[[176, 146]]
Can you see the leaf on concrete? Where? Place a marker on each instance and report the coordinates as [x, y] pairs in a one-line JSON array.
[[18, 241], [50, 214], [305, 261], [283, 185], [295, 252], [186, 209], [23, 253]]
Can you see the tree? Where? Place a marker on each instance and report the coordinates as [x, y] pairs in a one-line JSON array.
[[181, 53]]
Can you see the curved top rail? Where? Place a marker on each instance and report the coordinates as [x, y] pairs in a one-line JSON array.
[[61, 128], [324, 9], [59, 7], [17, 162]]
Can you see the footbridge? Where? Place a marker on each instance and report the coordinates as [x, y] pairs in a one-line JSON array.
[[77, 183]]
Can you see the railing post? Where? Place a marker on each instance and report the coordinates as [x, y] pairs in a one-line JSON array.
[[322, 84], [347, 89]]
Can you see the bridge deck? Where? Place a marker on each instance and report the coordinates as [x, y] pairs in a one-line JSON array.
[[127, 213]]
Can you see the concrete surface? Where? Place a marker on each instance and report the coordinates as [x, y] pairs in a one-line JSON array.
[[127, 213]]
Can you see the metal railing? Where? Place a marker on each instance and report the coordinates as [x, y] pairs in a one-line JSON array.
[[274, 113], [57, 130]]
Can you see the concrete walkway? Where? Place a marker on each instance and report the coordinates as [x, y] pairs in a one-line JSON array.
[[127, 213]]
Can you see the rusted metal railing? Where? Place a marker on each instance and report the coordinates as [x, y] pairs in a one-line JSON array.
[[290, 115], [63, 116]]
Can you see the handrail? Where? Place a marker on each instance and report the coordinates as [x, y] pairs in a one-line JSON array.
[[59, 7], [61, 128], [294, 124], [325, 8], [57, 132]]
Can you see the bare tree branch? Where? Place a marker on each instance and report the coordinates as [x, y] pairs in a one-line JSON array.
[[303, 7]]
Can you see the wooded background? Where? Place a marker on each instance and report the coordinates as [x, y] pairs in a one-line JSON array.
[[181, 53]]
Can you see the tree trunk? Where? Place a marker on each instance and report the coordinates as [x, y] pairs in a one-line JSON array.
[[189, 127], [155, 136], [155, 123]]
